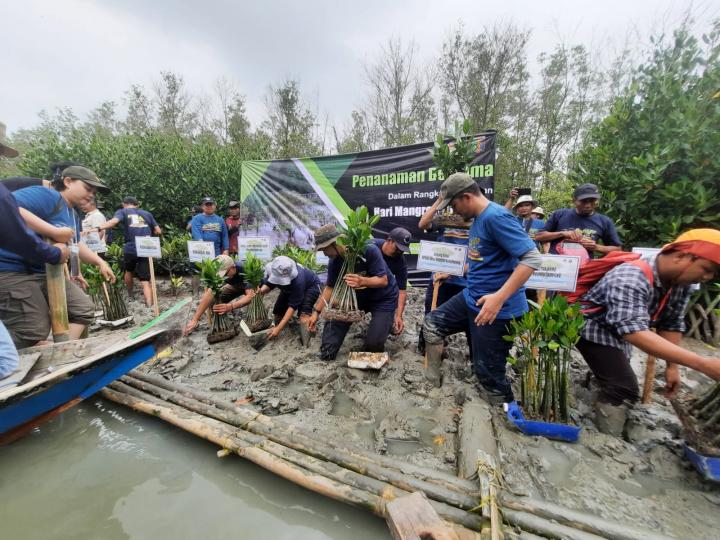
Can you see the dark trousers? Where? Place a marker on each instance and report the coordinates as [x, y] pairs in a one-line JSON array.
[[334, 334], [445, 293], [618, 383], [489, 349]]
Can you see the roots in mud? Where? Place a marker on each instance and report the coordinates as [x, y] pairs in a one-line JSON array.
[[222, 328], [331, 314], [217, 337], [257, 325], [700, 416]]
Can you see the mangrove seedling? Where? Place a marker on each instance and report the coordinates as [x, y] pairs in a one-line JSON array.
[[176, 284], [222, 325], [699, 413], [110, 296], [257, 314], [543, 340], [356, 233], [305, 257]]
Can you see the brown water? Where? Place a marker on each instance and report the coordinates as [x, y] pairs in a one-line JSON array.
[[100, 471]]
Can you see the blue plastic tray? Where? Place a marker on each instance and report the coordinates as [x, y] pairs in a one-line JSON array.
[[708, 467], [560, 432]]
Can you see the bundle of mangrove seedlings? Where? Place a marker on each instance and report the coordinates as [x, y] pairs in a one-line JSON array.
[[699, 413], [356, 233], [543, 340], [109, 296], [257, 314], [222, 324]]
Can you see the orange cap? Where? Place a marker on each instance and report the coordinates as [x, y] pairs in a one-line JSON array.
[[703, 243]]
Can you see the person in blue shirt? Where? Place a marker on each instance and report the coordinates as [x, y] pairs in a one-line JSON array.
[[299, 290], [50, 213], [501, 258], [581, 225], [393, 249], [209, 227], [376, 289], [135, 223]]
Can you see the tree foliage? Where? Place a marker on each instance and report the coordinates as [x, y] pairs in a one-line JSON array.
[[655, 155]]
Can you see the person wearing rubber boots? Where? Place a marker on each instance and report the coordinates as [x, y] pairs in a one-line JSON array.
[[377, 294], [501, 258], [624, 308]]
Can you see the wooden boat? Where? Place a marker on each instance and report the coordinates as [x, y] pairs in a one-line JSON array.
[[54, 378]]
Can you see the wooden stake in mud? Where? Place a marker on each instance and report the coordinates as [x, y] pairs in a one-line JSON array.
[[153, 286], [57, 300], [649, 379], [433, 306]]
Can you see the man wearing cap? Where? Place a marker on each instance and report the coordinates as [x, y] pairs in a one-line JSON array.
[[393, 248], [630, 306], [209, 227], [376, 289], [501, 258], [299, 290], [232, 222], [233, 288], [94, 218], [538, 213], [17, 238], [581, 225], [135, 222], [50, 213]]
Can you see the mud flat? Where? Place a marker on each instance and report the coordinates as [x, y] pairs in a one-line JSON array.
[[641, 481]]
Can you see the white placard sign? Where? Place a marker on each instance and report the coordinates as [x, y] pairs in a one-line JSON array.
[[92, 241], [321, 258], [148, 246], [557, 273], [200, 251], [257, 245], [647, 253], [442, 257]]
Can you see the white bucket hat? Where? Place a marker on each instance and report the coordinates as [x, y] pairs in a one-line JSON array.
[[281, 270], [524, 199]]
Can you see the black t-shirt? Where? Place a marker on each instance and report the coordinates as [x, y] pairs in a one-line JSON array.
[[296, 289], [238, 280], [397, 265], [20, 182]]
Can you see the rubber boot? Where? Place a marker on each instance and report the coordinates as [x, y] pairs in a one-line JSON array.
[[610, 419], [433, 371], [304, 335]]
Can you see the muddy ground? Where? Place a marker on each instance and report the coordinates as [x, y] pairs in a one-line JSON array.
[[643, 480]]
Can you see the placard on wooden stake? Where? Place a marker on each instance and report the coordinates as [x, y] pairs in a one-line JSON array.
[[149, 246]]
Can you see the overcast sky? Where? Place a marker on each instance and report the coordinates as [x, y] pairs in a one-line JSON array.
[[77, 53]]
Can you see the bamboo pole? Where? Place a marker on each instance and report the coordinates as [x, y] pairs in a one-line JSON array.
[[257, 421], [57, 301], [649, 378], [153, 286], [315, 449], [433, 306]]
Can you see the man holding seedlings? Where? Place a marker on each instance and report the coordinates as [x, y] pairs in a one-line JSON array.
[[501, 258], [581, 225], [234, 287], [135, 223], [299, 290], [209, 227], [377, 293], [393, 249], [23, 285], [625, 304], [232, 222]]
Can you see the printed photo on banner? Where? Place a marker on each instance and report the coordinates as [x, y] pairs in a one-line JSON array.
[[557, 273], [442, 257], [200, 251]]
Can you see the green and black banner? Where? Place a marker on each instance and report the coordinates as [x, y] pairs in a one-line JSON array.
[[286, 199]]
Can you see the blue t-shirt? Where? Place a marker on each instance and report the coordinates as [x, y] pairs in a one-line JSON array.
[[136, 223], [211, 229], [48, 205], [397, 265], [298, 287], [496, 243], [458, 237], [596, 226], [372, 265]]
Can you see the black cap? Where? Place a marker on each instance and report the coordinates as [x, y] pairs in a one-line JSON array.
[[233, 204], [402, 238], [131, 200], [207, 200], [586, 191]]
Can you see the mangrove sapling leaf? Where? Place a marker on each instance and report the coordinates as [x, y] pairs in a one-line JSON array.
[[257, 314], [222, 327]]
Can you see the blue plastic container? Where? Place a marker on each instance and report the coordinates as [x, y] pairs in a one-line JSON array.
[[707, 466], [559, 432]]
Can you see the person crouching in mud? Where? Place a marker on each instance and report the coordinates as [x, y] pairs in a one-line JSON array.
[[631, 306], [233, 295], [299, 290], [377, 293]]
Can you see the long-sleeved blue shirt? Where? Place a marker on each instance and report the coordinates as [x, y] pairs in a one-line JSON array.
[[211, 229], [18, 238]]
